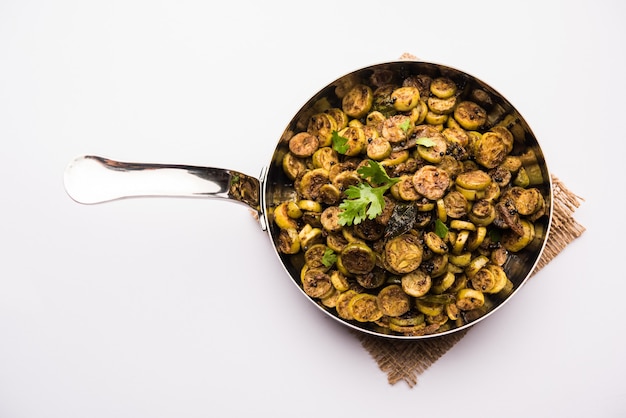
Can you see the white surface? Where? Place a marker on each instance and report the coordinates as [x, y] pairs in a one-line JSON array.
[[115, 310]]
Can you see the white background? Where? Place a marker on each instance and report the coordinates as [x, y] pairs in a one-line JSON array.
[[179, 307]]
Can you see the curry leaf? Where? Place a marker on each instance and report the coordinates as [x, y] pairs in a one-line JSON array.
[[495, 235], [402, 219], [441, 229]]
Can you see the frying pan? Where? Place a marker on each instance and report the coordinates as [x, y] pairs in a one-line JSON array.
[[93, 179]]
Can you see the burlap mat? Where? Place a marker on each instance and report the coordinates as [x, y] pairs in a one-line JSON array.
[[407, 360]]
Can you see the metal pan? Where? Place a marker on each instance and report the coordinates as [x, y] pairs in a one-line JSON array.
[[93, 179]]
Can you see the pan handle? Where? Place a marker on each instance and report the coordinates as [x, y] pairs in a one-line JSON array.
[[92, 179]]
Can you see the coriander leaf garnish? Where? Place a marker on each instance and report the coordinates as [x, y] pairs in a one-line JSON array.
[[329, 257], [425, 142], [340, 143], [364, 201], [441, 229], [375, 172]]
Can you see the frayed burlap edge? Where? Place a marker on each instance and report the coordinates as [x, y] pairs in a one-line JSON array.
[[405, 360], [564, 228]]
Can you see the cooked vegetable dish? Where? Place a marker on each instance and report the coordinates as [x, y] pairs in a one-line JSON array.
[[407, 202]]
